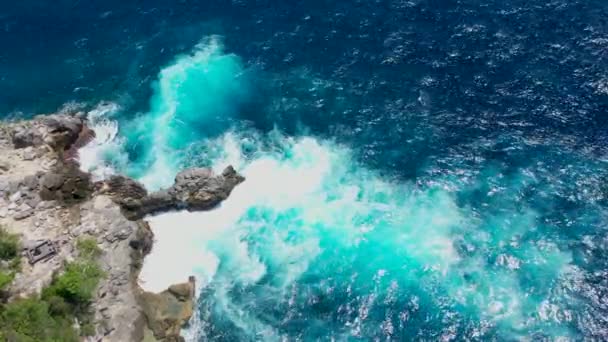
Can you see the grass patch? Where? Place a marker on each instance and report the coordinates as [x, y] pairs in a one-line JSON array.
[[9, 245], [10, 249], [88, 248], [29, 320]]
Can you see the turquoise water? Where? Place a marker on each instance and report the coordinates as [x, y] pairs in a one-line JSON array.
[[416, 170], [315, 245]]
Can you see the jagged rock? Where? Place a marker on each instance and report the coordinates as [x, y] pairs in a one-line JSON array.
[[51, 181], [142, 243], [67, 184], [193, 189], [23, 214], [58, 131], [4, 166], [62, 130], [182, 291], [15, 197], [26, 136], [29, 153]]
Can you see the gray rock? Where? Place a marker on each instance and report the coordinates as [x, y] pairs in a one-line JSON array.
[[51, 181], [30, 182], [194, 189], [33, 201], [44, 205], [15, 197], [29, 154], [25, 136], [23, 214], [4, 166], [4, 185], [62, 130]]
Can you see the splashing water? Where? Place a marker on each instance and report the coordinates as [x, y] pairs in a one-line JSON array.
[[193, 98], [315, 245]]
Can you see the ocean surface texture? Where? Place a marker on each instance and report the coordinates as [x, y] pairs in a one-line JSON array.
[[415, 170]]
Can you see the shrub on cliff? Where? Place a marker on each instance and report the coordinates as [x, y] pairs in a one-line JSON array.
[[88, 248], [50, 317], [9, 255], [9, 245], [77, 283], [29, 320]]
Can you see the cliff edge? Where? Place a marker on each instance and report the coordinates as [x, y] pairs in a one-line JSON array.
[[51, 205]]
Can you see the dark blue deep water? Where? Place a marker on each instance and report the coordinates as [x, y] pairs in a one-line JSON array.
[[453, 153]]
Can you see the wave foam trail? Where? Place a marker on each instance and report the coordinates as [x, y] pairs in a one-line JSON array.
[[311, 230], [313, 245]]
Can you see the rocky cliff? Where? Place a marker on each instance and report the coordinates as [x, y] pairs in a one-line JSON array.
[[45, 197]]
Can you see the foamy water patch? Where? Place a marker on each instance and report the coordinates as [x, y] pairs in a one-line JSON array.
[[105, 154]]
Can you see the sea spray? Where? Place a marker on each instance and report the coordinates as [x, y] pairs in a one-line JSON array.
[[105, 154], [309, 219], [194, 98], [314, 244]]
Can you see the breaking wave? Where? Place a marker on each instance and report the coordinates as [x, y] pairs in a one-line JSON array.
[[317, 245]]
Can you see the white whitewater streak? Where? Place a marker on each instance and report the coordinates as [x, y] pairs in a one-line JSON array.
[[100, 156]]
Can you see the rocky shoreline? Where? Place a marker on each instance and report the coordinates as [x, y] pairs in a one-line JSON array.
[[47, 199]]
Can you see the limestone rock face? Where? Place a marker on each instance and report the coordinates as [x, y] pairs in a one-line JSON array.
[[168, 311], [200, 189]]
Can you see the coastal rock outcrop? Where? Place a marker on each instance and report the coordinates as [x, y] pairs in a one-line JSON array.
[[59, 132], [168, 311], [46, 199], [193, 189]]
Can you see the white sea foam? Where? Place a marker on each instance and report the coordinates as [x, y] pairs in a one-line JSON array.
[[105, 152]]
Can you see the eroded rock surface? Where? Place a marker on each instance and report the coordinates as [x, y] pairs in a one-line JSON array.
[[193, 189], [168, 311]]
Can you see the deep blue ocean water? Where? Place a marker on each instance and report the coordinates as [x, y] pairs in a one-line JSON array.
[[437, 169]]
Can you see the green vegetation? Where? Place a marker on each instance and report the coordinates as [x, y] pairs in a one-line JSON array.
[[50, 317], [30, 320], [76, 284], [9, 245], [88, 248], [9, 258]]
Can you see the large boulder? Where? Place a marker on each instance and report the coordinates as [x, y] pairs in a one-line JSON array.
[[59, 131], [25, 136], [66, 184], [167, 312]]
